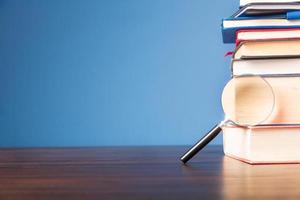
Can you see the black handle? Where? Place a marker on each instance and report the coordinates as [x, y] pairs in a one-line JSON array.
[[201, 143]]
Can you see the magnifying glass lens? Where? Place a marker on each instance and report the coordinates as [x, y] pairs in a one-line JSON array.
[[248, 101]]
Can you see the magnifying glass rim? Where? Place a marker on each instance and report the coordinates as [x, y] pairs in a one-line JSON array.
[[227, 120]]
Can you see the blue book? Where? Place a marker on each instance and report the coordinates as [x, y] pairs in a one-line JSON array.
[[262, 16]]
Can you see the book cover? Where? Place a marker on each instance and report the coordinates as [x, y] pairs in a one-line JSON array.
[[281, 68], [257, 49], [230, 26], [267, 34], [263, 145]]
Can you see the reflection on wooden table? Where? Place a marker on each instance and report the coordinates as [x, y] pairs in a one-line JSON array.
[[244, 181]]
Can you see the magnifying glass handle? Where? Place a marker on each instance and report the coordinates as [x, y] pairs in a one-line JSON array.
[[201, 143]]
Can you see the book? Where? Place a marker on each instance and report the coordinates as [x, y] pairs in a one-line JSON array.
[[266, 67], [285, 100], [245, 2], [267, 34], [263, 144], [231, 25], [267, 9], [288, 48]]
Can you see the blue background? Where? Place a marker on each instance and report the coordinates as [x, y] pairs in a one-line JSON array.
[[114, 72]]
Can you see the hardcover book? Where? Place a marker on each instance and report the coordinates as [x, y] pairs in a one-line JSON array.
[[286, 92], [267, 34], [265, 67], [264, 9], [289, 48], [285, 18], [263, 144], [245, 2], [231, 26]]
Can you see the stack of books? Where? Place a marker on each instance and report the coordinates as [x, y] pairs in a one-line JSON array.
[[267, 38]]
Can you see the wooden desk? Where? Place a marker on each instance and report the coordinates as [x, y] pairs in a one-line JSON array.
[[138, 173]]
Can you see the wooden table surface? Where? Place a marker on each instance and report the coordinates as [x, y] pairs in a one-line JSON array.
[[139, 173]]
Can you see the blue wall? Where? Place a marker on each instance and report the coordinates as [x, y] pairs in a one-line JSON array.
[[114, 72]]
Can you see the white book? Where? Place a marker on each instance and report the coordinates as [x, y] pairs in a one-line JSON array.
[[263, 145], [266, 9], [286, 106], [266, 66], [245, 2]]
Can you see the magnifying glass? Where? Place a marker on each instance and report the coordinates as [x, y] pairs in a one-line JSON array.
[[246, 101]]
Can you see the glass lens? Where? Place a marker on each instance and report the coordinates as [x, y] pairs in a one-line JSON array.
[[248, 100]]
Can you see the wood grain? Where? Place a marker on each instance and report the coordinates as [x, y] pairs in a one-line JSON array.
[[139, 173]]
